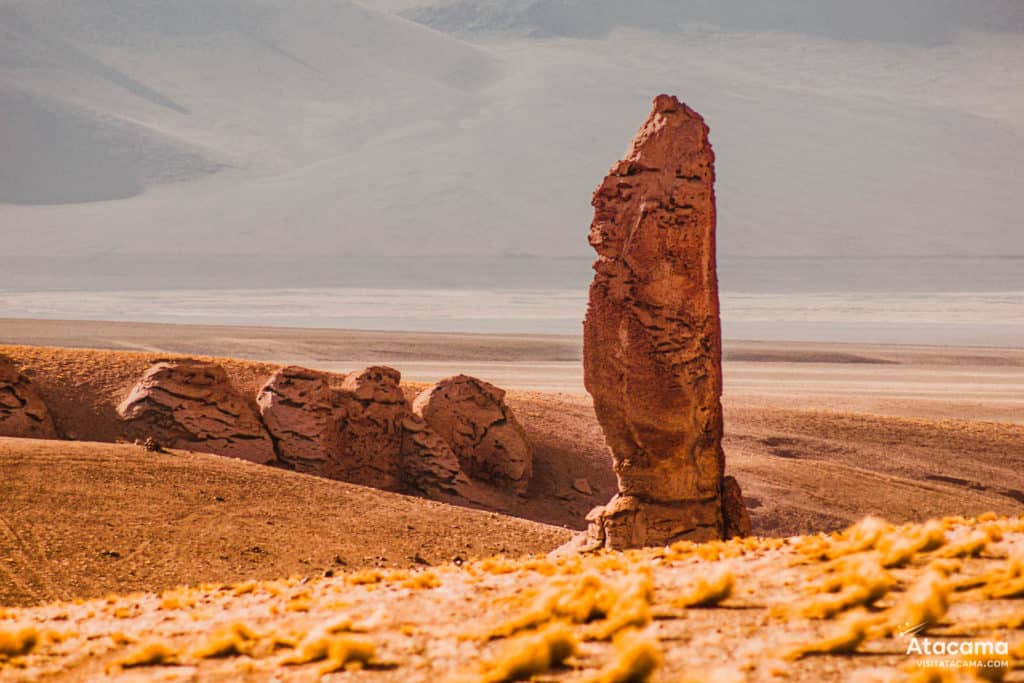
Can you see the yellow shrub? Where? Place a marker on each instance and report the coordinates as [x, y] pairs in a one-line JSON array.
[[228, 641], [17, 643], [857, 581], [631, 609], [924, 604], [708, 592], [636, 658], [579, 600], [530, 654], [846, 637], [899, 546], [153, 653]]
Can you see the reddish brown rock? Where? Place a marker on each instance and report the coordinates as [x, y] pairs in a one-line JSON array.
[[428, 464], [632, 522], [300, 410], [384, 444], [22, 412], [735, 515], [652, 336], [363, 432], [473, 418], [192, 405], [372, 409], [582, 485]]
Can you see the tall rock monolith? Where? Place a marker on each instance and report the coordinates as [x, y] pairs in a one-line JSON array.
[[652, 337]]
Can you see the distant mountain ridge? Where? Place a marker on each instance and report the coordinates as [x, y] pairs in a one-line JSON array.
[[908, 21], [322, 143]]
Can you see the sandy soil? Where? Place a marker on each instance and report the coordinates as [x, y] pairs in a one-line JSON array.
[[805, 465], [803, 609], [85, 519]]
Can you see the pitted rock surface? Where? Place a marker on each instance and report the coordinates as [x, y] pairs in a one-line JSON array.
[[22, 412], [473, 418], [300, 411], [371, 412], [428, 464], [191, 404], [735, 515], [363, 432], [652, 335], [631, 522]]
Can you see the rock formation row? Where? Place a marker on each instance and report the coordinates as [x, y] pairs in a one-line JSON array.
[[358, 428]]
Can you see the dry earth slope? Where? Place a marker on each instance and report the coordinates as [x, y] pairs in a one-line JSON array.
[[816, 608], [86, 519]]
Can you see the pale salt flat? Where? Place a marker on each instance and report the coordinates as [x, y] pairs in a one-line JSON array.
[[957, 318]]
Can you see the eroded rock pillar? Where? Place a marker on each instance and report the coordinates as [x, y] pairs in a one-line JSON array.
[[652, 344]]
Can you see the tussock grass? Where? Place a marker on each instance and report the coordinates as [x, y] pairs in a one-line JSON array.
[[367, 577], [972, 546], [336, 651], [1006, 583], [924, 604], [637, 657], [844, 638], [900, 546], [152, 653], [228, 641], [348, 652], [853, 581], [422, 581], [16, 643], [577, 599], [181, 598], [631, 610], [874, 579], [708, 592], [587, 598], [530, 654]]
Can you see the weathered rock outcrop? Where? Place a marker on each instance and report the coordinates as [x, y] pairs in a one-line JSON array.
[[472, 417], [22, 412], [372, 409], [300, 410], [429, 465], [652, 336], [191, 404], [364, 431]]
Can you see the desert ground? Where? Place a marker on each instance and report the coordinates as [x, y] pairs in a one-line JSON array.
[[843, 607], [818, 435], [967, 383]]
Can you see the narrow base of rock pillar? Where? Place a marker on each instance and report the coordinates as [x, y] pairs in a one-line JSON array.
[[735, 517], [630, 522]]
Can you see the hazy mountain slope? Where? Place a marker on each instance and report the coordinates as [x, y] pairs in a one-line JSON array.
[[902, 21], [243, 78], [358, 148], [58, 153]]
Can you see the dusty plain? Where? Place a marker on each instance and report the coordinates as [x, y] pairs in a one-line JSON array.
[[819, 435]]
